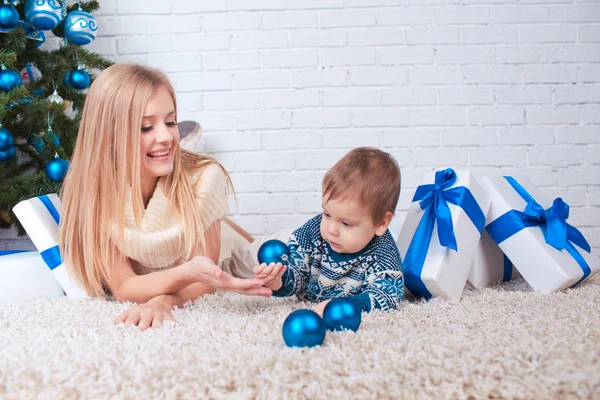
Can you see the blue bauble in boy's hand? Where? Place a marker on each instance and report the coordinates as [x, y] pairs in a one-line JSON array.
[[273, 251], [303, 328], [341, 314]]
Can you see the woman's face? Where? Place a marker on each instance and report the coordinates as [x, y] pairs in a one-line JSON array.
[[159, 135]]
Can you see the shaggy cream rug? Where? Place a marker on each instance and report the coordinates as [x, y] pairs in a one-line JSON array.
[[501, 342]]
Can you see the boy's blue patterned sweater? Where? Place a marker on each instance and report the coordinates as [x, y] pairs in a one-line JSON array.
[[372, 278]]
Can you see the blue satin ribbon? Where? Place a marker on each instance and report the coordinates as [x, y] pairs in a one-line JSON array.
[[507, 269], [29, 69], [9, 252], [553, 223], [51, 256], [434, 200], [31, 32], [50, 207]]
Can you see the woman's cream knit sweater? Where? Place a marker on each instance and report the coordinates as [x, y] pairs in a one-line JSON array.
[[158, 242]]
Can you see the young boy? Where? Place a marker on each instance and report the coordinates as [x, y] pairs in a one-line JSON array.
[[347, 251]]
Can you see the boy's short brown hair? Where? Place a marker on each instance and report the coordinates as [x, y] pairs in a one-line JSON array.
[[368, 174]]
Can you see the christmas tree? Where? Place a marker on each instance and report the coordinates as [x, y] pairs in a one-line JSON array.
[[41, 95]]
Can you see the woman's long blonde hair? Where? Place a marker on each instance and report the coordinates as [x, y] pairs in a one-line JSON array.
[[106, 162]]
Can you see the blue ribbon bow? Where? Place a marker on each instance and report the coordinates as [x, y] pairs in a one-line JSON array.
[[553, 222], [434, 199]]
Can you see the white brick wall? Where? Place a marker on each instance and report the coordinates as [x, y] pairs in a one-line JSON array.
[[284, 88]]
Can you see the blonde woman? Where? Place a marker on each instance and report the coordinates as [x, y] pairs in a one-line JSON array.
[[141, 216]]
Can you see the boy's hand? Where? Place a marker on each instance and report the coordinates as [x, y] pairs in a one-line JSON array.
[[271, 274]]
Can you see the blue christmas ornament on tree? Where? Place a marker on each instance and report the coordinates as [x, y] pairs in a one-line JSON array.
[[273, 251], [45, 15], [303, 328], [9, 79], [9, 16], [80, 27], [56, 169], [6, 139], [79, 79], [39, 144], [341, 314], [8, 154]]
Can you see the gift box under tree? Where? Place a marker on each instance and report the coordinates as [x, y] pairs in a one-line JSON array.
[[24, 276], [40, 217]]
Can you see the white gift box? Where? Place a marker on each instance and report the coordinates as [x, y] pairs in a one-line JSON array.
[[24, 276], [529, 244], [40, 217], [430, 268], [490, 265]]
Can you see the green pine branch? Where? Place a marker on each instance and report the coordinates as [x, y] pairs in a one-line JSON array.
[[24, 112]]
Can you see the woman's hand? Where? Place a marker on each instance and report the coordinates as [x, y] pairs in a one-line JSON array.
[[150, 314], [204, 270]]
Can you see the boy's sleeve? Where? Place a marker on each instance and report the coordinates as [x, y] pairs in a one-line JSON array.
[[297, 275], [383, 287]]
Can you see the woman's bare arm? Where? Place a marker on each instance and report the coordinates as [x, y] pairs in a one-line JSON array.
[[126, 285], [184, 282], [195, 290], [227, 282]]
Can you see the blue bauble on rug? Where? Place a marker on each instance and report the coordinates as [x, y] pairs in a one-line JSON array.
[[9, 16], [43, 14], [79, 79], [9, 79], [80, 27], [303, 328], [6, 139], [56, 169], [341, 314], [273, 251], [8, 154]]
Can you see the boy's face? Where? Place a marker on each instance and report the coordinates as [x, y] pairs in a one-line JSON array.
[[347, 225]]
